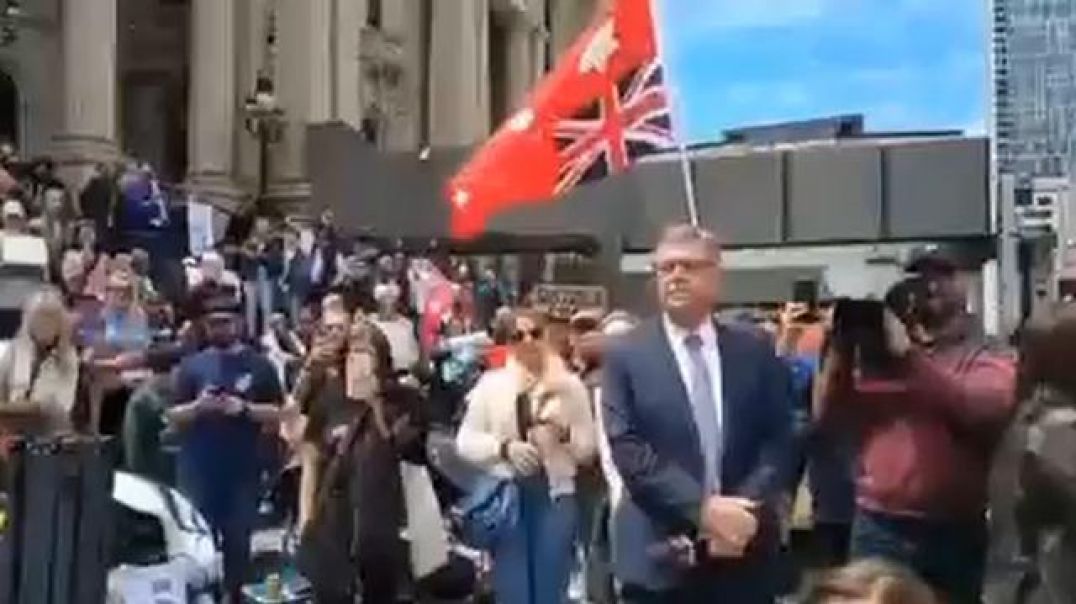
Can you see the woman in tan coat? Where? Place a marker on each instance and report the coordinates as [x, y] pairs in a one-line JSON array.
[[531, 422]]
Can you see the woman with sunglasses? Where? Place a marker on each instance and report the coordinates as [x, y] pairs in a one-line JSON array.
[[530, 421]]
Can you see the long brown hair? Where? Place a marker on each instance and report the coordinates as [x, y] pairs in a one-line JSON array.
[[362, 334], [1047, 351]]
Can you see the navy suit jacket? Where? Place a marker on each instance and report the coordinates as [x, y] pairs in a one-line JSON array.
[[649, 423]]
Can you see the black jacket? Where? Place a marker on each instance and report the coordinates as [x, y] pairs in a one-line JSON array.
[[360, 508]]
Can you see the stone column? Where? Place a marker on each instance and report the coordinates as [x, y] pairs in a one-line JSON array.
[[304, 87], [88, 131], [214, 102], [520, 64], [459, 73], [539, 38], [251, 22], [569, 19], [348, 23], [402, 20]]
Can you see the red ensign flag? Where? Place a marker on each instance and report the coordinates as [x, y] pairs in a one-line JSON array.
[[602, 107]]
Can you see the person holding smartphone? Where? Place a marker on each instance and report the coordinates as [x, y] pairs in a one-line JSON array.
[[225, 394]]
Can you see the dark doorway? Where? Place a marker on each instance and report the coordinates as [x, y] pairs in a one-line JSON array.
[[498, 71], [9, 109]]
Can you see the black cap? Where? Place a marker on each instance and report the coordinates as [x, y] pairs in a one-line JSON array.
[[932, 260], [221, 305]]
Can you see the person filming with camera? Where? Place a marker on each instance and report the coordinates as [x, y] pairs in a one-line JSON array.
[[927, 398]]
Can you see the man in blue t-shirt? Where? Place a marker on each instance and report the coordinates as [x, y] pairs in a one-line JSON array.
[[225, 395]]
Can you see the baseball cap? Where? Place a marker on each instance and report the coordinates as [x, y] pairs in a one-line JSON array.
[[617, 322], [586, 320], [932, 260], [221, 305]]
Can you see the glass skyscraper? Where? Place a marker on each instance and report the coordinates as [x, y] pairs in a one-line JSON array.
[[1033, 44]]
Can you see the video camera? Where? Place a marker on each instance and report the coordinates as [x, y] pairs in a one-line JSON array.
[[859, 324]]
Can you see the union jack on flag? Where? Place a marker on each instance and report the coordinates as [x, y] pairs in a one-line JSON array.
[[630, 121], [600, 109]]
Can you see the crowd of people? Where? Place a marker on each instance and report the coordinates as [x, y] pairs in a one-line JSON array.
[[631, 459]]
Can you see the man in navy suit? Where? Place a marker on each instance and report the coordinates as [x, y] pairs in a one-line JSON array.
[[699, 419]]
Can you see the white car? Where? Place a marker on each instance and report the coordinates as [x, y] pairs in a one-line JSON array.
[[194, 564]]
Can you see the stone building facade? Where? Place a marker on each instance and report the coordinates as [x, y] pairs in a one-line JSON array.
[[165, 81]]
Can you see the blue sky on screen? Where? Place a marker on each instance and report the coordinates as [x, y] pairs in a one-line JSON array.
[[904, 64]]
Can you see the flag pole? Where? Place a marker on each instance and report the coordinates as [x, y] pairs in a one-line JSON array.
[[689, 183], [675, 115]]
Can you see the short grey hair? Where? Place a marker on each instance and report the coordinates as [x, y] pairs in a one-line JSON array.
[[688, 234]]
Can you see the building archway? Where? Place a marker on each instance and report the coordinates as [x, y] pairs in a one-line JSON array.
[[9, 108]]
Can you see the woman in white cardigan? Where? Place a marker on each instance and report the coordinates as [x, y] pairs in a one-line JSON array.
[[531, 421]]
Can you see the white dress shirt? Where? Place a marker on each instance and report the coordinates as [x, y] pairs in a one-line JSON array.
[[677, 336], [605, 453]]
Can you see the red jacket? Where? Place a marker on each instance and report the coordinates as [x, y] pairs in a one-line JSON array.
[[927, 439]]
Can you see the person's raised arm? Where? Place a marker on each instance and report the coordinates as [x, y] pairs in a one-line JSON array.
[[983, 397], [980, 397], [833, 388]]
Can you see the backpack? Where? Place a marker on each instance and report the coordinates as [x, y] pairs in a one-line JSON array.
[[1046, 505], [1048, 463]]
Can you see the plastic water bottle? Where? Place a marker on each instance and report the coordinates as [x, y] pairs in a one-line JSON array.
[[274, 588]]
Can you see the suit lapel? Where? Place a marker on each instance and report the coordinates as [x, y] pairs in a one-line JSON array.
[[733, 376], [680, 402]]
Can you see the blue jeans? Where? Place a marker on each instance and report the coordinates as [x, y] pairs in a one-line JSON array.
[[533, 564], [950, 557], [231, 509], [258, 297]]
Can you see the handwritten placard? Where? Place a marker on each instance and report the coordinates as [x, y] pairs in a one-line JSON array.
[[23, 250]]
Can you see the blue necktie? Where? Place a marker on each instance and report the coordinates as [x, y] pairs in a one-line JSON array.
[[704, 406]]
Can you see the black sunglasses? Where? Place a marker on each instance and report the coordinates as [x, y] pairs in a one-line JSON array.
[[520, 335]]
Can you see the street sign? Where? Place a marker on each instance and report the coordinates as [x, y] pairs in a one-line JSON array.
[[563, 301]]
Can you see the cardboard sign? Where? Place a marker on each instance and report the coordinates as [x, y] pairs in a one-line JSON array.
[[201, 230], [23, 250], [563, 301]]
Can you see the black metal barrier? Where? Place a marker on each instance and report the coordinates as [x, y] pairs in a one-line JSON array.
[[56, 534]]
